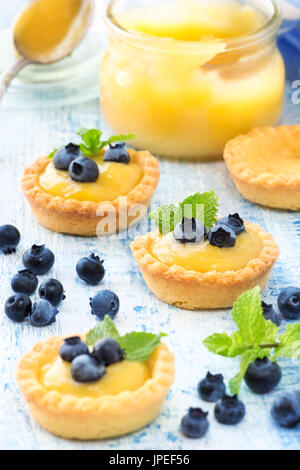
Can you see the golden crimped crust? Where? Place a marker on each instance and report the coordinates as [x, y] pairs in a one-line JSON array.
[[92, 418], [196, 291], [279, 189], [80, 217]]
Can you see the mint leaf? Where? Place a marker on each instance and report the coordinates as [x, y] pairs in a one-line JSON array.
[[255, 337], [166, 218], [289, 342], [92, 143], [247, 312], [203, 207], [139, 345], [104, 329], [51, 155], [219, 343]]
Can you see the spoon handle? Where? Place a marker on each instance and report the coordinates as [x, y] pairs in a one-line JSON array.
[[10, 73]]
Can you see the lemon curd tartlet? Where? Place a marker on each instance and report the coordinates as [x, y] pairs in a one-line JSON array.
[[128, 395], [91, 208], [208, 273], [265, 166]]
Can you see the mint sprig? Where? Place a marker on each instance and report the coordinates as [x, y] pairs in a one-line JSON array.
[[91, 141], [255, 337], [137, 345], [201, 206]]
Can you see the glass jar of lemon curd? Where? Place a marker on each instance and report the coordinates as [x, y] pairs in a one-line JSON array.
[[185, 76]]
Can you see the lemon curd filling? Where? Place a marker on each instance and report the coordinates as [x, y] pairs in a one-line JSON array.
[[193, 21], [115, 179], [44, 25], [119, 377], [177, 84], [203, 257]]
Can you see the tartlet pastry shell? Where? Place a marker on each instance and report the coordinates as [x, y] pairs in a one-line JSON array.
[[93, 418], [274, 190], [80, 217], [197, 291]]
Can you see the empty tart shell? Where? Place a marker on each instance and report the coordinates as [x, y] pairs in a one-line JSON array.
[[265, 166]]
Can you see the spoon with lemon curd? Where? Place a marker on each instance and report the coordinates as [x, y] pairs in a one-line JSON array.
[[46, 31]]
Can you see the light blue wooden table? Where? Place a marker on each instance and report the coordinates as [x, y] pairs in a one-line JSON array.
[[28, 133]]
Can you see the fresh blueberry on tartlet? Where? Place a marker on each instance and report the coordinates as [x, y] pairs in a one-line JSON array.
[[38, 259], [64, 156], [84, 170], [117, 153], [85, 369], [222, 236], [9, 239], [71, 348], [108, 351], [90, 269], [24, 282], [18, 307], [189, 230], [195, 423], [212, 387], [234, 221]]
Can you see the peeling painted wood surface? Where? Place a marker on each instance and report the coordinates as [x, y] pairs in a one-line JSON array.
[[27, 134]]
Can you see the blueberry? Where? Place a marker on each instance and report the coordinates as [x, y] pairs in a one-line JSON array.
[[25, 282], [52, 290], [262, 375], [195, 423], [90, 269], [84, 170], [289, 303], [43, 313], [222, 236], [65, 155], [212, 388], [286, 409], [38, 259], [71, 348], [18, 307], [9, 239], [189, 231], [229, 410], [270, 313], [117, 153], [108, 351], [104, 303], [85, 368], [234, 222]]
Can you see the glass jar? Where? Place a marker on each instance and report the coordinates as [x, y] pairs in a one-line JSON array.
[[187, 98]]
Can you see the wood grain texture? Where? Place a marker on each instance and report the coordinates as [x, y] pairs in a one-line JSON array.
[[27, 134]]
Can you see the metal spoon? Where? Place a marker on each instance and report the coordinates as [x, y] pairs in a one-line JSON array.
[[75, 34]]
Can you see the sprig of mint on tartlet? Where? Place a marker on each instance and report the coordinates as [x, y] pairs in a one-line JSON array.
[[137, 346], [92, 144], [201, 206], [255, 337]]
